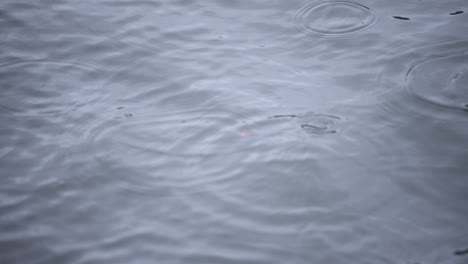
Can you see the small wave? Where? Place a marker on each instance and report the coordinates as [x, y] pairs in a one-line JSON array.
[[39, 87]]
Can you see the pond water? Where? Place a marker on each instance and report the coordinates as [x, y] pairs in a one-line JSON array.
[[181, 131]]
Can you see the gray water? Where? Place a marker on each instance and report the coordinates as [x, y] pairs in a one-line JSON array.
[[230, 131]]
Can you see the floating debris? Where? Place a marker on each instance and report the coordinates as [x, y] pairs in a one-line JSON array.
[[282, 116], [128, 115], [120, 107], [461, 252], [456, 13], [401, 18]]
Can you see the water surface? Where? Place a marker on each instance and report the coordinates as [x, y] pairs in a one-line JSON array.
[[233, 131]]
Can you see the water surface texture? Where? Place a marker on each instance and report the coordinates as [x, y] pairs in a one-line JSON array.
[[179, 131]]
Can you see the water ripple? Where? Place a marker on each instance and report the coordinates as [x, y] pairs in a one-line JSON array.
[[428, 79], [441, 80], [194, 140], [335, 18], [319, 124], [47, 87], [209, 133], [314, 124]]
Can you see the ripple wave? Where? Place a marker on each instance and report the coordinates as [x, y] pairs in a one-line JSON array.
[[46, 87], [335, 18], [441, 80]]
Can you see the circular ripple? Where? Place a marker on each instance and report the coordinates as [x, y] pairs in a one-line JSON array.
[[441, 80], [194, 134], [43, 87], [226, 164], [335, 18], [319, 124]]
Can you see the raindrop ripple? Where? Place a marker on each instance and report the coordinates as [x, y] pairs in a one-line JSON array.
[[441, 80], [335, 18]]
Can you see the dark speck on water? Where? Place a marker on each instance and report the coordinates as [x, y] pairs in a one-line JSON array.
[[280, 116], [457, 13], [401, 18], [461, 252]]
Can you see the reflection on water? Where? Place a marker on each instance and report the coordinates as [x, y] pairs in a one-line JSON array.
[[233, 131]]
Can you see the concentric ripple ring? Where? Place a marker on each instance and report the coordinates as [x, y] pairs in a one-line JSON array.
[[335, 18], [319, 124], [441, 80]]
